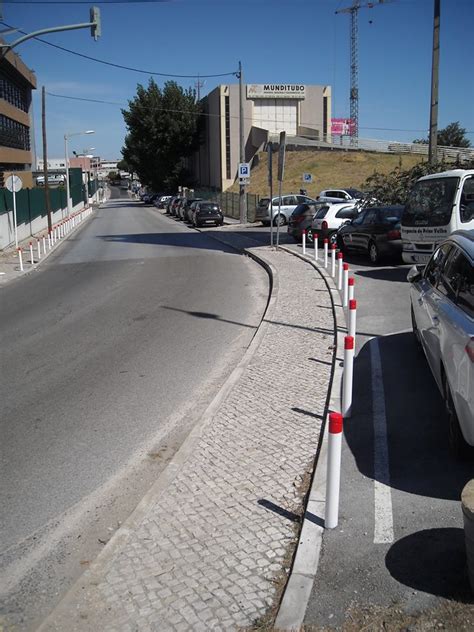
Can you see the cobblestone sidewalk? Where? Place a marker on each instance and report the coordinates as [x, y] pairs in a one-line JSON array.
[[202, 550]]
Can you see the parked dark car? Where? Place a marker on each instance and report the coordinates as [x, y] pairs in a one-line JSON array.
[[301, 219], [149, 198], [174, 205], [169, 204], [185, 208], [207, 212], [375, 231]]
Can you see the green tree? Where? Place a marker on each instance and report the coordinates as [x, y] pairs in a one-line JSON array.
[[453, 135], [123, 165], [162, 130]]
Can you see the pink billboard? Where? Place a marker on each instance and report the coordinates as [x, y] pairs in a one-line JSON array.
[[342, 126]]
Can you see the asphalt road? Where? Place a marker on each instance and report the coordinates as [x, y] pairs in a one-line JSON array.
[[111, 350]]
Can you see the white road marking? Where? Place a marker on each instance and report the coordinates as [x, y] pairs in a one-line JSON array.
[[383, 528]]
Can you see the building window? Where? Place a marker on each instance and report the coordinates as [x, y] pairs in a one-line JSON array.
[[14, 134], [227, 137], [13, 94]]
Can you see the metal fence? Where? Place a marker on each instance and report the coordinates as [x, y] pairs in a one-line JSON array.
[[229, 202]]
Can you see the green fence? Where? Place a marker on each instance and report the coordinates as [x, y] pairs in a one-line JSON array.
[[229, 202], [31, 203]]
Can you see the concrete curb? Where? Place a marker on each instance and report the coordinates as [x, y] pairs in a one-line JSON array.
[[295, 599]]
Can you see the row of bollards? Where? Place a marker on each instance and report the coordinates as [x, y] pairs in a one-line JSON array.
[[346, 286], [45, 243]]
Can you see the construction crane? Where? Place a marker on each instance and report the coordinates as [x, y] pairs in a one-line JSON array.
[[354, 91]]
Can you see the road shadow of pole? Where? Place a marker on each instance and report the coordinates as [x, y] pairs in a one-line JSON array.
[[417, 428], [432, 561]]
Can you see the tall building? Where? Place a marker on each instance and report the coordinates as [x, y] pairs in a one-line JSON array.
[[300, 110], [17, 82]]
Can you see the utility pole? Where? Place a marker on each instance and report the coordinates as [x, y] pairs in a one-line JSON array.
[[242, 193], [198, 85], [354, 89], [45, 160], [433, 139]]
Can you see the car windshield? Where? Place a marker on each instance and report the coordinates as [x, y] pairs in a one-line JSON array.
[[208, 207], [430, 202]]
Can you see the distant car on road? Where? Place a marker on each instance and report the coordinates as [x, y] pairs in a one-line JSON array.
[[287, 206], [375, 231], [340, 195], [442, 312]]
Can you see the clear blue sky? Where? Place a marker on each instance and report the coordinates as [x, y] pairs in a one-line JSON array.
[[284, 41]]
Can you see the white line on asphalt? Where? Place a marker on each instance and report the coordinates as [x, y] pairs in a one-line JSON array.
[[383, 528]]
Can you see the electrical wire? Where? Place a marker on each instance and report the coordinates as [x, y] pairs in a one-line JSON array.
[[121, 67]]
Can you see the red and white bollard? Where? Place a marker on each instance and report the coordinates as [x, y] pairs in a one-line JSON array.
[[352, 317], [347, 376], [32, 259], [340, 262], [345, 284], [326, 244], [44, 244], [316, 253], [20, 257], [304, 242], [351, 283], [333, 478], [333, 260], [38, 245]]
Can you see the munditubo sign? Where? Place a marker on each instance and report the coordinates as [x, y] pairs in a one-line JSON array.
[[275, 91]]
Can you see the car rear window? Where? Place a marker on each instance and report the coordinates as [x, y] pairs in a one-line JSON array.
[[391, 216], [209, 207], [321, 214], [300, 210], [264, 202]]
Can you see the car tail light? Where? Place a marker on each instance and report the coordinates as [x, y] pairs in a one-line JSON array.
[[470, 349], [324, 225], [393, 234]]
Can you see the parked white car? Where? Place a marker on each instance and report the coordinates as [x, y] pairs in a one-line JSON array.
[[340, 195], [442, 311], [280, 215], [329, 218]]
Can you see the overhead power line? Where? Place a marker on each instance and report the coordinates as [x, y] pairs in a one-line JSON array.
[[120, 66]]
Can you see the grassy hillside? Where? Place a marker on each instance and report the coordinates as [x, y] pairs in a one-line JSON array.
[[330, 169]]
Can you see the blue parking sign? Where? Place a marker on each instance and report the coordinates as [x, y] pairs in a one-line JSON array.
[[244, 170]]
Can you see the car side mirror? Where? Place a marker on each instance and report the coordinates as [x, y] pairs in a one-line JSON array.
[[415, 274], [347, 222]]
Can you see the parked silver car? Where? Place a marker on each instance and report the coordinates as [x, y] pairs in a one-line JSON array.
[[280, 215], [442, 311], [340, 195]]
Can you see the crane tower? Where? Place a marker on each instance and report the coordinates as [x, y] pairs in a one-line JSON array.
[[354, 90]]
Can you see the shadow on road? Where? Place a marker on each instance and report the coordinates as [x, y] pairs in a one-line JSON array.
[[417, 428], [432, 561], [398, 274]]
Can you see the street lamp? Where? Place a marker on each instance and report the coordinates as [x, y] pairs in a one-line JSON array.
[[66, 151]]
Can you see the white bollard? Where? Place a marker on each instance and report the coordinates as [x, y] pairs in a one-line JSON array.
[[345, 284], [304, 242], [352, 317], [316, 253], [44, 244], [340, 263], [326, 254], [20, 257], [333, 260], [351, 288], [333, 478], [38, 244], [347, 376], [32, 259]]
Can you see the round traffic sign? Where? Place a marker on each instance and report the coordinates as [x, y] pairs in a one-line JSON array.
[[13, 183]]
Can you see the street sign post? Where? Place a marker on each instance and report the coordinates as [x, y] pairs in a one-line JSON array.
[[14, 184], [244, 173], [270, 184], [281, 174]]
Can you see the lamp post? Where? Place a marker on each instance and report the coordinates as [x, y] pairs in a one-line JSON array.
[[66, 151]]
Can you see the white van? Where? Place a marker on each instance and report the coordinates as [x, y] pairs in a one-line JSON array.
[[437, 205]]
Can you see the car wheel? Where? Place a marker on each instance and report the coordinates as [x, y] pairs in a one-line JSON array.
[[333, 238], [374, 254], [416, 331], [460, 449], [279, 220]]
